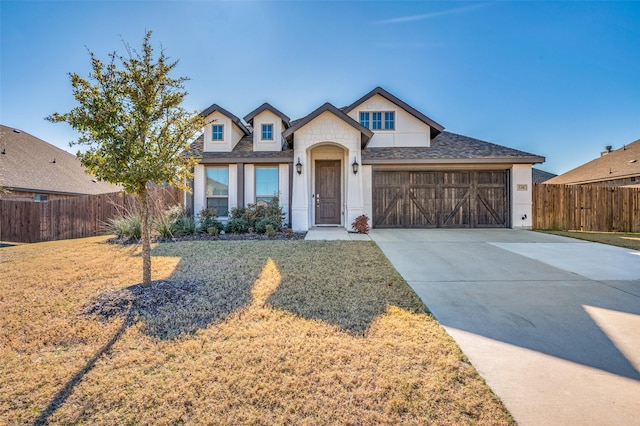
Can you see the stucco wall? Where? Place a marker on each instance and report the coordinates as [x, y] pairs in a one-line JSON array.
[[325, 130], [232, 134], [409, 131], [275, 144]]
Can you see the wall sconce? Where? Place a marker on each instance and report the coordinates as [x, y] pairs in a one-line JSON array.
[[299, 167], [355, 166]]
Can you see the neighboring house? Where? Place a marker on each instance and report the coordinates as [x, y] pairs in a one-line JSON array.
[[32, 169], [379, 156], [615, 168], [540, 176]]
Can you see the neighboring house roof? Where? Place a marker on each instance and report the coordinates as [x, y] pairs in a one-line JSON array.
[[242, 150], [30, 164], [235, 119], [539, 176], [435, 127], [449, 146], [365, 133], [267, 107], [619, 164]]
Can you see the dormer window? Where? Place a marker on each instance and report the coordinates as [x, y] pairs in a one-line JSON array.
[[380, 120], [267, 132], [217, 132]]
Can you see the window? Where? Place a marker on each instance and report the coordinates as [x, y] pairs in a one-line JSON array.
[[266, 183], [364, 119], [217, 132], [40, 197], [389, 120], [377, 120], [267, 131], [217, 190]]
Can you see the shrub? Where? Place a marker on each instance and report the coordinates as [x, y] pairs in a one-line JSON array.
[[163, 227], [184, 225], [261, 227], [237, 226], [361, 224], [251, 217], [270, 230], [208, 220], [128, 226]]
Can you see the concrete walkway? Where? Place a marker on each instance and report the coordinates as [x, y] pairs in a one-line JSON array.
[[551, 323], [334, 233]]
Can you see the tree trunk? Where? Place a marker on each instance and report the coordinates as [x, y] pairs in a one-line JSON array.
[[146, 237]]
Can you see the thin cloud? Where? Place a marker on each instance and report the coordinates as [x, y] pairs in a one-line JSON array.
[[424, 16]]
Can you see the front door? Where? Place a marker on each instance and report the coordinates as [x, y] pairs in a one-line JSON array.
[[327, 196]]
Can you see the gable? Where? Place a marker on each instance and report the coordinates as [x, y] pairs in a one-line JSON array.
[[435, 127], [365, 134], [408, 130]]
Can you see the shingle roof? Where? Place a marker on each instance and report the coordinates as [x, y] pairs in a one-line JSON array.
[[539, 176], [621, 163], [366, 134], [435, 127], [449, 146], [264, 107], [243, 150], [27, 164], [235, 119], [446, 146]]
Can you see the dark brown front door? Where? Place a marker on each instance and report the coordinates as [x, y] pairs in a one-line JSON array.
[[327, 196]]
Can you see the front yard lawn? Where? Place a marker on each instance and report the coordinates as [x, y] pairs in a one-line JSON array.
[[620, 239], [235, 332]]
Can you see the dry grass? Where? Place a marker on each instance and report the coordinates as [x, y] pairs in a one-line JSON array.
[[268, 332], [620, 239]]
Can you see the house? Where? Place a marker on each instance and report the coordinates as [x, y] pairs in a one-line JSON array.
[[32, 169], [378, 156], [620, 167], [540, 176]]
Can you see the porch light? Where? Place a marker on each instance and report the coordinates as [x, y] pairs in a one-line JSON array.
[[355, 166], [299, 167]]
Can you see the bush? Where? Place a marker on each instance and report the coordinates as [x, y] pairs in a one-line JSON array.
[[261, 227], [128, 226], [237, 226], [184, 225], [361, 224], [163, 227], [207, 220], [270, 230], [256, 217]]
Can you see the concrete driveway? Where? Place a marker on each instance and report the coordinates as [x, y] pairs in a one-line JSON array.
[[551, 323]]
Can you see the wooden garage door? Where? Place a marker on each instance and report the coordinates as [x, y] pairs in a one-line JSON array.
[[440, 199]]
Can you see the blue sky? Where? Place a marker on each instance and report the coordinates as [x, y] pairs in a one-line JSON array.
[[559, 79]]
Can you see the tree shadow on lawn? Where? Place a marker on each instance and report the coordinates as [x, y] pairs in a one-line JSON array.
[[205, 290]]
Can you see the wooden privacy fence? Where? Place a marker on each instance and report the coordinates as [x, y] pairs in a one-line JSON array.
[[77, 217], [586, 208]]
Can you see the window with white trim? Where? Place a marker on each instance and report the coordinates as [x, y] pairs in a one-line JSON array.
[[267, 132], [266, 183], [217, 132], [364, 119], [217, 190], [380, 120]]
